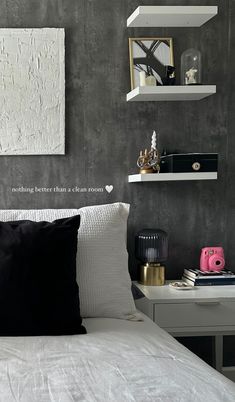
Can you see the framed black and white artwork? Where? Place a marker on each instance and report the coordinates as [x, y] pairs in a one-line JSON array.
[[150, 55]]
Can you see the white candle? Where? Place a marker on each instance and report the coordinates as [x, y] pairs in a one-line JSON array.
[[154, 140], [142, 79]]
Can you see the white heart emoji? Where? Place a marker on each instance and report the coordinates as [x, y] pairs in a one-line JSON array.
[[109, 188]]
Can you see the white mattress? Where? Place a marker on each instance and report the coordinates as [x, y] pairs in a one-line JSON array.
[[116, 361]]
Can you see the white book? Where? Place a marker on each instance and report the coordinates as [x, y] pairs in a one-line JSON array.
[[197, 274]]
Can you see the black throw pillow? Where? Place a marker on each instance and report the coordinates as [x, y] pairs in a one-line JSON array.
[[38, 288]]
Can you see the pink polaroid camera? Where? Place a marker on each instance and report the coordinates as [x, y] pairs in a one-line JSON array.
[[212, 259]]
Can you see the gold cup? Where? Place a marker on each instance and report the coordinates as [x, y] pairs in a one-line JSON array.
[[152, 274]]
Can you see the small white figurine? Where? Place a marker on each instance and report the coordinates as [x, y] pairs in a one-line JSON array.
[[190, 76]]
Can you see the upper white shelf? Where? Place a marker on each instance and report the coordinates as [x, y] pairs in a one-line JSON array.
[[171, 93], [171, 16], [135, 178]]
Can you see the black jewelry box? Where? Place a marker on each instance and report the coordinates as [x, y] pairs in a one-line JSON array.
[[191, 162]]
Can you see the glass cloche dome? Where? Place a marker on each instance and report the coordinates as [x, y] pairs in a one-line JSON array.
[[191, 70]]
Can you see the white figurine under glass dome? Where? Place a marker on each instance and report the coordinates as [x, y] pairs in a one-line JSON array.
[[191, 73]]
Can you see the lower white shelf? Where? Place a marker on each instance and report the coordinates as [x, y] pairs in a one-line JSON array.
[[135, 178], [171, 93]]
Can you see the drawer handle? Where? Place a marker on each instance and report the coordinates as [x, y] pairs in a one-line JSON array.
[[216, 303]]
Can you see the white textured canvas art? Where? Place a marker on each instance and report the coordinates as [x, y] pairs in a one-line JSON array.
[[32, 91]]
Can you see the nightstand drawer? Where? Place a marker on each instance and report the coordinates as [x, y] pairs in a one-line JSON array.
[[194, 314]]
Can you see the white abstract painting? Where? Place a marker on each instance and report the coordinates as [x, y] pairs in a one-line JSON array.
[[32, 91]]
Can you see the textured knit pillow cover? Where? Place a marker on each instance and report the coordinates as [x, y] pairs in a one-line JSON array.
[[102, 264], [102, 260], [38, 289]]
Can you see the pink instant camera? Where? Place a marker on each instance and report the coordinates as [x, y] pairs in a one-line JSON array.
[[212, 259]]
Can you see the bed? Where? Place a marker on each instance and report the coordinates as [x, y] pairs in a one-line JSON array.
[[116, 361], [124, 356]]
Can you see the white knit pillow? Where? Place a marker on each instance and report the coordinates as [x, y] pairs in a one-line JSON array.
[[102, 259], [103, 262]]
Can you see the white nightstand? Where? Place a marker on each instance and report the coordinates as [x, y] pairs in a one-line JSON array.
[[203, 311]]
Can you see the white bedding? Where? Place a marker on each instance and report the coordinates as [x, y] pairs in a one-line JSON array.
[[116, 361]]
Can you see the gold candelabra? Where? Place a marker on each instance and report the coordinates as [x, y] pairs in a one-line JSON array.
[[149, 161]]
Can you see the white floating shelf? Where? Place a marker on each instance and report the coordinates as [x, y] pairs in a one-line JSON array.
[[135, 178], [171, 16], [171, 93]]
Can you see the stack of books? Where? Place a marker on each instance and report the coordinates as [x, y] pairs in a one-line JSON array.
[[195, 277]]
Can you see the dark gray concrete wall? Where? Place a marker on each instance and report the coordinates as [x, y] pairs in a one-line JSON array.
[[104, 134]]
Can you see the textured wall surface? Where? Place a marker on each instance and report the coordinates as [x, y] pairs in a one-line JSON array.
[[104, 134], [32, 86]]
